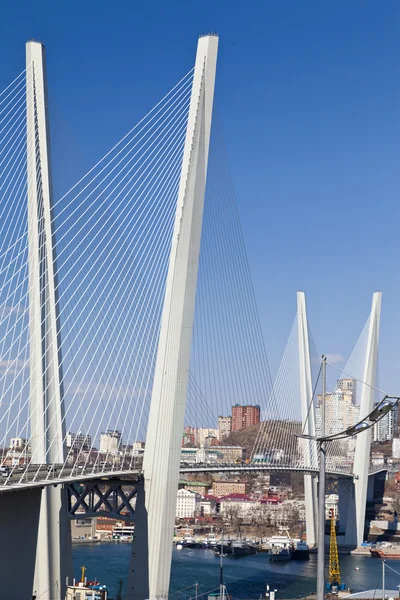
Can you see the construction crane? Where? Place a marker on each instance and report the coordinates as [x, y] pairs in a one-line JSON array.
[[334, 568]]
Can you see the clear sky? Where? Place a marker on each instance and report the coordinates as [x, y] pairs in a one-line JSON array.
[[309, 97]]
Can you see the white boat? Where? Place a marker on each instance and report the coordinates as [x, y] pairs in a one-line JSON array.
[[280, 548]]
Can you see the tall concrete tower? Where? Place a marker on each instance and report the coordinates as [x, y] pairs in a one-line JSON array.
[[307, 417], [53, 557], [167, 411], [363, 440]]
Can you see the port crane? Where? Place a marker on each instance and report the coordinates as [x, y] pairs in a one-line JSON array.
[[334, 567]]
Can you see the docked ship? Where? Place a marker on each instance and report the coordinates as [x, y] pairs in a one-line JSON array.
[[234, 549], [301, 551], [189, 542], [86, 590], [389, 552], [280, 548]]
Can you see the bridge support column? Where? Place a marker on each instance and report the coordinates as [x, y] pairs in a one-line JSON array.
[[363, 440], [53, 554], [308, 447], [19, 522], [167, 410]]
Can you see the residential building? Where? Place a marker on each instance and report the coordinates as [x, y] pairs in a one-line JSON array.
[[229, 454], [109, 442], [197, 436], [377, 459], [17, 443], [244, 416], [396, 448], [195, 486], [208, 506], [188, 504], [200, 455], [237, 505], [386, 428], [78, 441], [212, 454], [224, 428], [137, 448], [188, 437], [225, 488], [349, 386], [340, 410]]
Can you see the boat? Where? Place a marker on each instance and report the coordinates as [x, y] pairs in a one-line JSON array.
[[234, 549], [279, 554], [301, 551], [389, 553], [84, 589], [280, 548], [187, 541], [194, 545]]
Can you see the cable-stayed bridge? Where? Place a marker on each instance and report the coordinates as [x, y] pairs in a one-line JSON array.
[[126, 310]]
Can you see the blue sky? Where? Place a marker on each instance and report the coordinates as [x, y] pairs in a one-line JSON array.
[[309, 96]]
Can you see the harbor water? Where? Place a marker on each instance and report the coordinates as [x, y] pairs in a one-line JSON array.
[[245, 577]]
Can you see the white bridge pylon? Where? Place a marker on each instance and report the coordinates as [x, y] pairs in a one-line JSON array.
[[167, 409], [355, 504], [307, 417]]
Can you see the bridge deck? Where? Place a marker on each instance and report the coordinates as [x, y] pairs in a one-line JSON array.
[[34, 479]]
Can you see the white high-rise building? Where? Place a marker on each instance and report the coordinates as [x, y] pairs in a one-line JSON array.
[[340, 412], [188, 504], [396, 448], [17, 443], [78, 441], [386, 428], [109, 442], [224, 427]]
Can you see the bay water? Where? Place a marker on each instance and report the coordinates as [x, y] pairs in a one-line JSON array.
[[245, 577]]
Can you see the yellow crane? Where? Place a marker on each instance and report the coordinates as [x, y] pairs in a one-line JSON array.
[[83, 569], [334, 568]]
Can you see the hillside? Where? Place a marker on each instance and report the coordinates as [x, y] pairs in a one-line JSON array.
[[269, 435]]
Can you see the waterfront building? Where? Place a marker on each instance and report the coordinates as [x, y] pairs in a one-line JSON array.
[[224, 427], [245, 416], [226, 488], [109, 442], [188, 504], [331, 506], [105, 527], [237, 506], [83, 528], [209, 506]]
